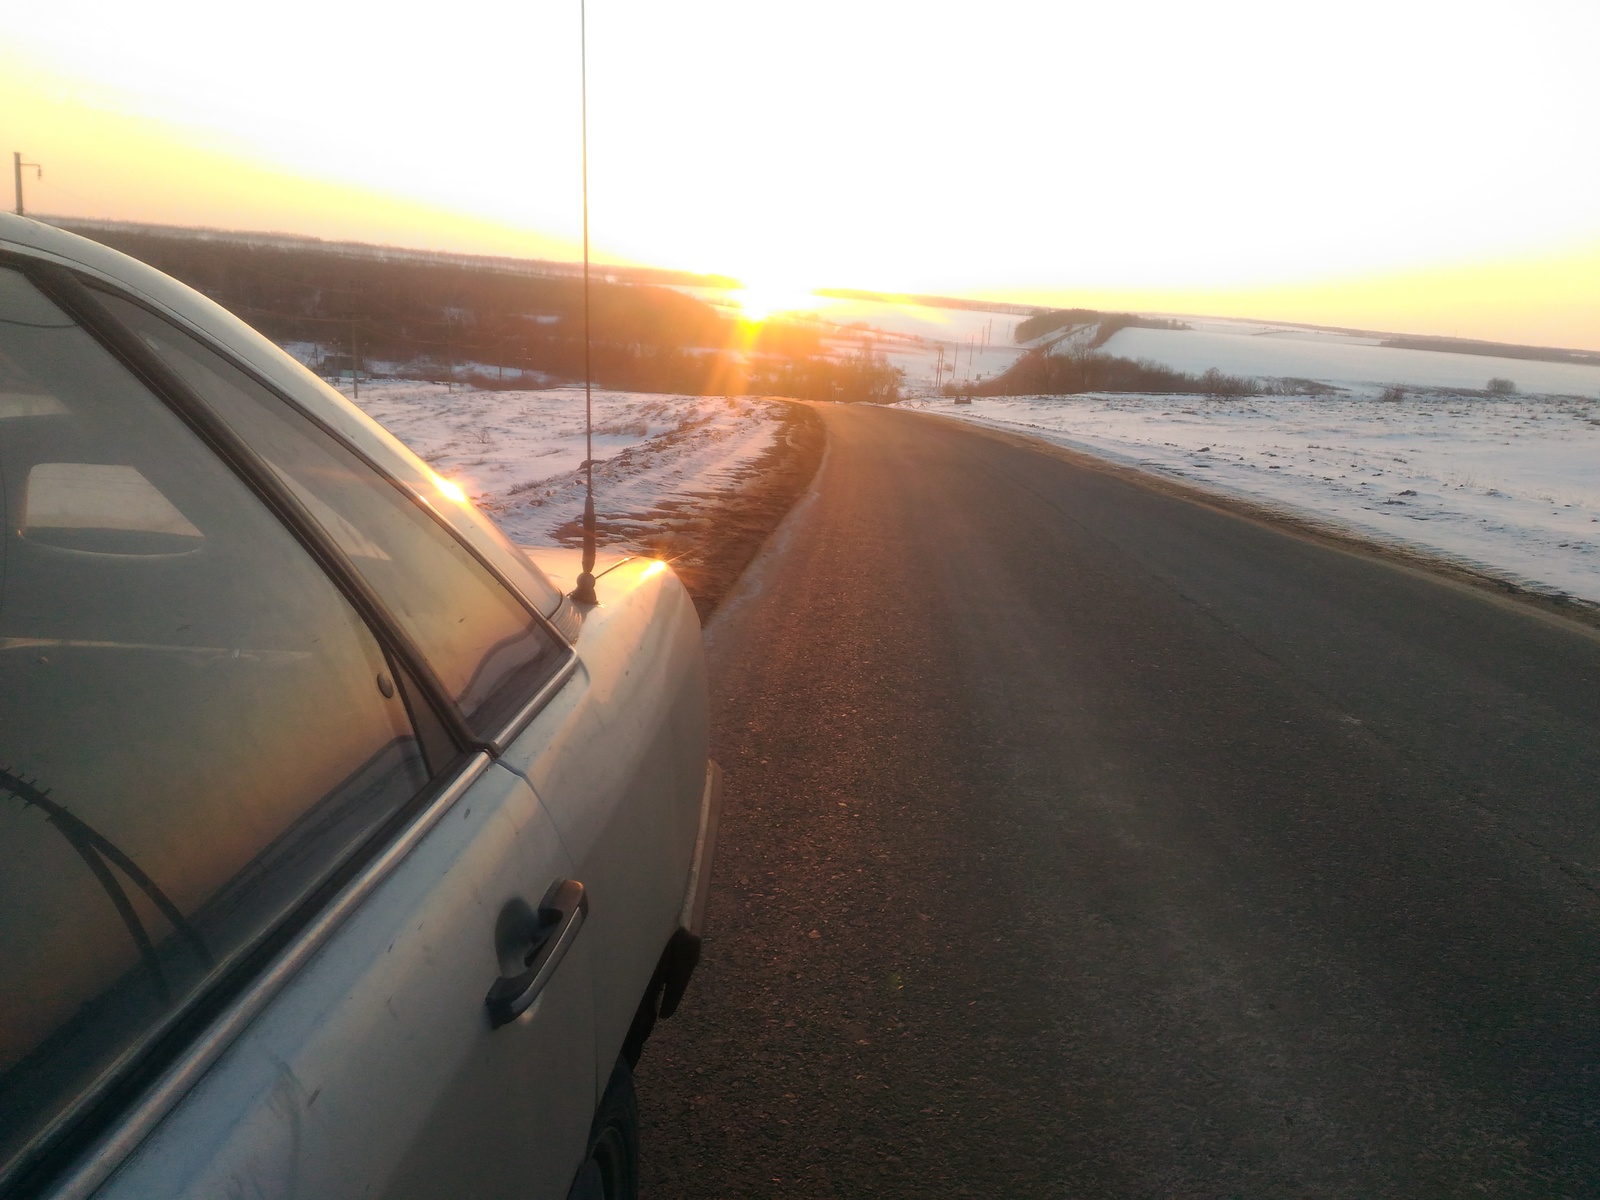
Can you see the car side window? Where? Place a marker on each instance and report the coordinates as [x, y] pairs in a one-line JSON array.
[[489, 651], [196, 728]]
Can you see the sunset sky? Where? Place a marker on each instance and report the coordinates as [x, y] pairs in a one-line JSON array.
[[1422, 167]]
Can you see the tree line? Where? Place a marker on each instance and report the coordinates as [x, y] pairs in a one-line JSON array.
[[432, 318], [1085, 369]]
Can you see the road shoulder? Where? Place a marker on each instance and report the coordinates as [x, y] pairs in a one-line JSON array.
[[1563, 610]]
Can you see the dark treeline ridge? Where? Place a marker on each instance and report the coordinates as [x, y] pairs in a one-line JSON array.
[[1108, 323], [433, 316], [1493, 349], [100, 229], [1041, 374]]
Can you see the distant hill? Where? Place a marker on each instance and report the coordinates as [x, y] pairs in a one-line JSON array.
[[1050, 320], [108, 232], [1494, 349], [995, 306], [435, 310]]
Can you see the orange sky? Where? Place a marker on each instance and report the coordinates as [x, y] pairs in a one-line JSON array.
[[1391, 166]]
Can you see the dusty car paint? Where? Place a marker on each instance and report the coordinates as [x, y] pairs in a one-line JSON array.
[[628, 817]]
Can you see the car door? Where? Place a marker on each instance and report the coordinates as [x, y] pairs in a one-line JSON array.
[[619, 760], [375, 1071], [258, 881]]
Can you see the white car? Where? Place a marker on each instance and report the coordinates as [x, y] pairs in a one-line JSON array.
[[341, 853]]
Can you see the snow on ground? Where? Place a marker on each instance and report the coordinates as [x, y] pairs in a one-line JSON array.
[[974, 342], [1508, 486], [519, 454], [1249, 348]]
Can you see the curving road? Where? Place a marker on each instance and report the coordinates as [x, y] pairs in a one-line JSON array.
[[1086, 840]]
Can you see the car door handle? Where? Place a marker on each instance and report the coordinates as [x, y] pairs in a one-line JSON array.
[[538, 941]]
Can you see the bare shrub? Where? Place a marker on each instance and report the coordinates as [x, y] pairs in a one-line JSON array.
[[1216, 383], [1294, 385]]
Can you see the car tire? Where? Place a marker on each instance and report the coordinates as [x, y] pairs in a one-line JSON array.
[[610, 1171]]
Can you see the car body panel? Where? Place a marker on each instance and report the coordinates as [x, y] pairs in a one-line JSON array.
[[629, 817], [561, 564], [375, 1072]]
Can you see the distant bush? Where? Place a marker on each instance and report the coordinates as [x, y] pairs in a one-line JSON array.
[[1215, 383], [1394, 394], [1500, 386], [1088, 370], [1294, 385], [860, 378], [516, 381]]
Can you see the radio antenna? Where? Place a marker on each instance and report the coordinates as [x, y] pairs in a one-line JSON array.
[[584, 592]]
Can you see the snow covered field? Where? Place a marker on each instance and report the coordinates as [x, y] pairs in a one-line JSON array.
[[518, 454], [1508, 486], [1266, 351]]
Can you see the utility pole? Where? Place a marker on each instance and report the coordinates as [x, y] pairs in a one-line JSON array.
[[449, 354], [355, 364], [17, 164]]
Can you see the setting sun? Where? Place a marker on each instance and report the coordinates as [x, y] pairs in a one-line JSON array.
[[758, 301]]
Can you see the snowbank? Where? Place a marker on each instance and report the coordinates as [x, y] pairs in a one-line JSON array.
[[519, 454]]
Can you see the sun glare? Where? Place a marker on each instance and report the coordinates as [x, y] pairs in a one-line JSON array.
[[449, 488], [759, 301]]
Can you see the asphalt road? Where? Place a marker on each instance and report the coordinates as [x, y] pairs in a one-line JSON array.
[[1086, 840]]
